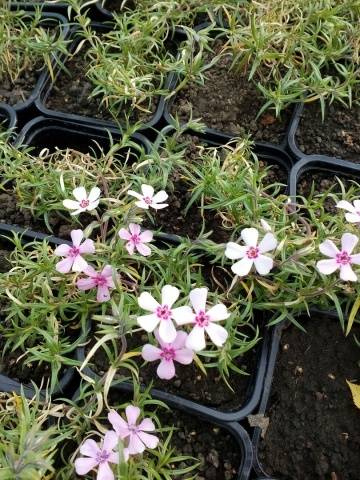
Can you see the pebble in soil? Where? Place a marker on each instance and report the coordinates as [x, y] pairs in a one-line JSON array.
[[314, 425], [229, 102], [337, 136]]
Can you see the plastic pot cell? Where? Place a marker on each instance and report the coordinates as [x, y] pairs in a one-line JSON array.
[[8, 117], [23, 108]]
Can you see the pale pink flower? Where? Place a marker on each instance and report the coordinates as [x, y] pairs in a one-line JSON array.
[[73, 259], [134, 434], [136, 239], [340, 259], [148, 199], [84, 202], [162, 313], [204, 321], [100, 457], [251, 253], [354, 210], [103, 281], [168, 353]]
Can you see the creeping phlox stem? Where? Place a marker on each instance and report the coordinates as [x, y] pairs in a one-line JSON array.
[[131, 435]]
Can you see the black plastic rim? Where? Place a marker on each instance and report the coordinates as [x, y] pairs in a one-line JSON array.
[[8, 115]]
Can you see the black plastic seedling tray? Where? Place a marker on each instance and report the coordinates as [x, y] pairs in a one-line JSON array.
[[8, 116]]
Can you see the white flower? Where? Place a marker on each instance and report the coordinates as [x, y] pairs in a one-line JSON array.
[[148, 199], [83, 201], [354, 215], [251, 253], [204, 321], [162, 314], [340, 259]]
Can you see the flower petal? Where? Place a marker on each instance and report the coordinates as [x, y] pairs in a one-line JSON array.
[[184, 356], [134, 228], [79, 264], [148, 322], [142, 204], [196, 339], [64, 266], [263, 264], [328, 266], [355, 259], [146, 236], [346, 205], [218, 312], [130, 247], [118, 423], [105, 472], [166, 369], [87, 246], [217, 334], [124, 234], [132, 414], [135, 194], [92, 205], [160, 197], [169, 295], [70, 204], [147, 190], [328, 248], [103, 294], [180, 340], [159, 206], [347, 274], [107, 271], [235, 251], [147, 302], [79, 193], [167, 331], [250, 236], [348, 242], [198, 298], [150, 353], [76, 237], [146, 425], [356, 205], [94, 194], [89, 448], [143, 249], [62, 250], [183, 315], [85, 283], [352, 217], [242, 267], [151, 441], [84, 465], [110, 440], [268, 243], [135, 445]]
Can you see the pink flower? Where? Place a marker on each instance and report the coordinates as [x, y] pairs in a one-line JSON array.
[[204, 321], [83, 201], [340, 259], [148, 199], [98, 456], [354, 215], [73, 259], [162, 314], [136, 435], [251, 253], [102, 281], [168, 353], [136, 239]]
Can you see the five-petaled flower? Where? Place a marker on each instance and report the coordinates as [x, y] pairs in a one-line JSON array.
[[100, 457], [73, 259], [251, 253], [353, 215], [340, 259], [168, 353], [204, 321], [147, 198], [84, 202], [134, 435], [162, 314], [136, 239], [103, 281]]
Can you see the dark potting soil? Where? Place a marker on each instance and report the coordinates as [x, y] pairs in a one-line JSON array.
[[314, 425], [217, 449], [20, 90], [322, 182], [190, 382], [117, 6], [229, 102], [338, 136], [71, 94]]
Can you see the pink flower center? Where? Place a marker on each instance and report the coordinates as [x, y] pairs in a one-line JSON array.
[[74, 252], [148, 200], [167, 353], [84, 203], [253, 252], [343, 258], [103, 456], [135, 238], [163, 312], [202, 319], [100, 280], [133, 428]]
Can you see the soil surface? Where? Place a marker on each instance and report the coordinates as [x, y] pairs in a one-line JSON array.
[[230, 103], [119, 5], [322, 182], [314, 425], [190, 382], [338, 136], [20, 90]]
